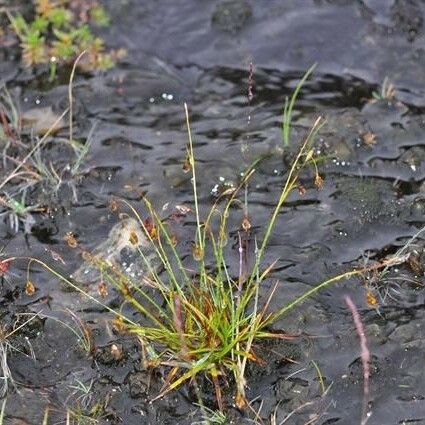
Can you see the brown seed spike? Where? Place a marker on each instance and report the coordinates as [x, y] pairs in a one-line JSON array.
[[71, 240], [102, 289], [125, 289], [318, 182], [113, 205], [29, 288], [369, 138], [134, 240], [150, 228], [87, 256], [246, 225], [117, 351], [371, 299], [186, 165], [119, 324]]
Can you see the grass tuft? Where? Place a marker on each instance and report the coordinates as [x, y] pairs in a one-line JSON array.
[[205, 322]]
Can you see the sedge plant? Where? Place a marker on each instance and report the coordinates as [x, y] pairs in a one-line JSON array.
[[204, 322], [208, 320]]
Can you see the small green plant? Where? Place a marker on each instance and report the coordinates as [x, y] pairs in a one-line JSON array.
[[18, 211], [205, 322], [83, 393], [211, 417], [55, 176], [387, 91], [60, 31], [79, 416]]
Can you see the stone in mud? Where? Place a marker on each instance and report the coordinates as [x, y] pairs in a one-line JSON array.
[[120, 249], [355, 368], [375, 332], [232, 15]]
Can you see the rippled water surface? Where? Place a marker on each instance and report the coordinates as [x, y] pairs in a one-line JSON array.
[[372, 202]]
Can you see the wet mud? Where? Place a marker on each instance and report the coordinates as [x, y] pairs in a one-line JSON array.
[[372, 203]]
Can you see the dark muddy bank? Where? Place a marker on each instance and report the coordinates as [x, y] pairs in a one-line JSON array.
[[373, 201]]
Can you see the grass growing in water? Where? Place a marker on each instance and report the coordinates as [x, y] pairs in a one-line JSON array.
[[289, 107], [205, 321]]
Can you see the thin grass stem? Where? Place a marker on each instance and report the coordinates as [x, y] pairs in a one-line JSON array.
[[70, 98], [289, 106], [3, 411]]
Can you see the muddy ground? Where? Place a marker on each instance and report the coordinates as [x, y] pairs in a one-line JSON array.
[[372, 201]]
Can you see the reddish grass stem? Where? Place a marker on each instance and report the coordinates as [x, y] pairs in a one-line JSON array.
[[364, 353]]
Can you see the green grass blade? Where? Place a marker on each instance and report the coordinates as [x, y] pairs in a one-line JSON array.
[[289, 106]]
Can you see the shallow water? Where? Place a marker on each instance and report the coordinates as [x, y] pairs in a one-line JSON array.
[[371, 204]]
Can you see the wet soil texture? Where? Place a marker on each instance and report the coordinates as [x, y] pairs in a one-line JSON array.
[[369, 85]]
